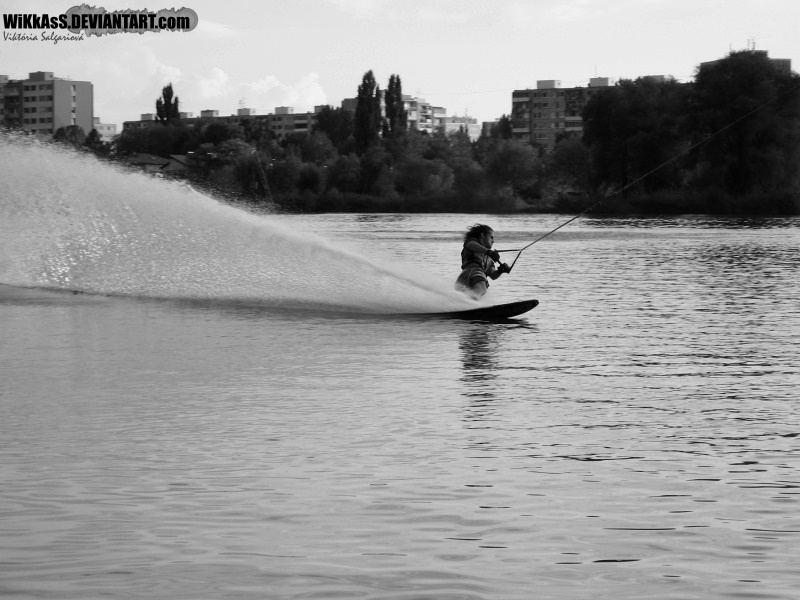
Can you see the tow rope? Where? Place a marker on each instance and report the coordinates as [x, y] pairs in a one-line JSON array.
[[639, 179]]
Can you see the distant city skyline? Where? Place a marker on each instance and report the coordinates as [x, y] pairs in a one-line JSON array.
[[466, 56]]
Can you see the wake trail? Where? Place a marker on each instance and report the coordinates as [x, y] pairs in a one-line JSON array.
[[69, 221]]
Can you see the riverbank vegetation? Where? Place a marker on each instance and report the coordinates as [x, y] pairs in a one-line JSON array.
[[729, 142]]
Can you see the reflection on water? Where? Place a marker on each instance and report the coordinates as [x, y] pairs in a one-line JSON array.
[[634, 437], [479, 345], [692, 221], [482, 347]]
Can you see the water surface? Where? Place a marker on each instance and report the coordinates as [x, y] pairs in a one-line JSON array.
[[635, 436]]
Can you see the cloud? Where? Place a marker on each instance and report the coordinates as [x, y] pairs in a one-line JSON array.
[[310, 92], [167, 73], [269, 91], [213, 86], [267, 84], [118, 96]]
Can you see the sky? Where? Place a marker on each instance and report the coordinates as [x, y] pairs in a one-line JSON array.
[[464, 55]]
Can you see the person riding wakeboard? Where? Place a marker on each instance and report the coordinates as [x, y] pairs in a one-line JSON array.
[[477, 261]]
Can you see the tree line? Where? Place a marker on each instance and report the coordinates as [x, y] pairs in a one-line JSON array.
[[726, 143], [362, 160]]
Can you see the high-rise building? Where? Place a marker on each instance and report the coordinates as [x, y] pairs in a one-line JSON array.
[[43, 103], [543, 115]]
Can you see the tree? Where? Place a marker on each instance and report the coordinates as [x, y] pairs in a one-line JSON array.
[[258, 133], [216, 132], [311, 179], [284, 175], [368, 114], [502, 129], [661, 109], [317, 148], [396, 121], [418, 177], [344, 173], [514, 165], [748, 113], [161, 141], [337, 124], [633, 130], [460, 143], [469, 182], [568, 166], [487, 144], [234, 150], [166, 107], [72, 135], [376, 171], [95, 144], [605, 133]]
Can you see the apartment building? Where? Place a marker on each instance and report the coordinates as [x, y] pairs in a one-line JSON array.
[[107, 132], [540, 116], [423, 116], [43, 103], [781, 64], [283, 122], [286, 122], [468, 124]]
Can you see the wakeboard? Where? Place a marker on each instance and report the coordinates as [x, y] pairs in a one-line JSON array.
[[488, 313]]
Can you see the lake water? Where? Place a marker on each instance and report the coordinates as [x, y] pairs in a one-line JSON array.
[[231, 410]]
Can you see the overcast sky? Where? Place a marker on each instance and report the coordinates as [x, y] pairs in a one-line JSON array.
[[465, 55]]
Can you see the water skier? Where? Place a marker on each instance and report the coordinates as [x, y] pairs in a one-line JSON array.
[[477, 261]]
